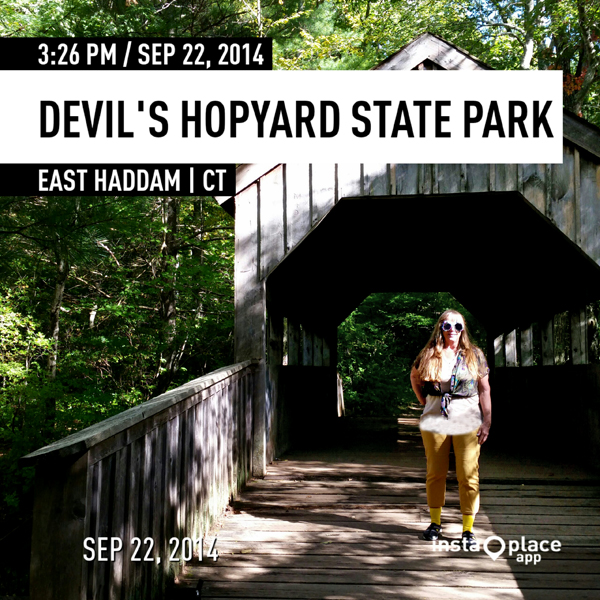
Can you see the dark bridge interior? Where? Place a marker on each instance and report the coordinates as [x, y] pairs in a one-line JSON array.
[[498, 255]]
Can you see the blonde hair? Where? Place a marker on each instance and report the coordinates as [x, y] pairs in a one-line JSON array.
[[429, 361]]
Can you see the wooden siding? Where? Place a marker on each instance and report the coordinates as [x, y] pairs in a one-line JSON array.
[[294, 198], [589, 202]]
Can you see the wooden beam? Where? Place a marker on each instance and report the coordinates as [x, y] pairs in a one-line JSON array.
[[298, 203], [510, 348], [406, 179], [377, 181], [317, 350], [307, 347], [499, 355], [547, 328], [579, 343], [248, 295], [581, 133], [478, 178], [330, 348], [246, 175], [448, 179], [59, 522], [275, 360], [275, 328], [533, 180], [577, 195], [527, 347], [323, 183], [271, 220], [505, 178], [340, 397], [293, 335], [259, 438], [589, 196], [349, 180], [562, 197], [250, 299]]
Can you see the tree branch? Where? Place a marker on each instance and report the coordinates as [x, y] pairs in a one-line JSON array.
[[505, 25]]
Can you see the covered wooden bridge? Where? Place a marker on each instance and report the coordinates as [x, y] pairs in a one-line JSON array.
[[312, 241]]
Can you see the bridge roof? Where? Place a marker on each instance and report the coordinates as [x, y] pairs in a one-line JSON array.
[[430, 52]]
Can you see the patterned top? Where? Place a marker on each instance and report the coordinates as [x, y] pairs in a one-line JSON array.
[[462, 382], [456, 412]]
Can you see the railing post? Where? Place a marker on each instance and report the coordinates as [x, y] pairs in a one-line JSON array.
[[259, 438], [59, 523]]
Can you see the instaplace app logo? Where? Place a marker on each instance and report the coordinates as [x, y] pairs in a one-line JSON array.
[[526, 551]]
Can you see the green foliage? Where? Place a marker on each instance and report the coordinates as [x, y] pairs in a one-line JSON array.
[[20, 341], [22, 346], [75, 18], [560, 34], [120, 18], [349, 34], [378, 343], [109, 345], [505, 34]]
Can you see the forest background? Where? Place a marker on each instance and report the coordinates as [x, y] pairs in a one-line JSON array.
[[108, 301]]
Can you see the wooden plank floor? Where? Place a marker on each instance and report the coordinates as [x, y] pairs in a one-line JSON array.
[[320, 532]]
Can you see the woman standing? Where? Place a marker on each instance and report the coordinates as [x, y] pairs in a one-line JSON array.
[[450, 379]]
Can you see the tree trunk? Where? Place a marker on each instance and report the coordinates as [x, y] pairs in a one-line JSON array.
[[529, 23], [62, 272], [171, 353]]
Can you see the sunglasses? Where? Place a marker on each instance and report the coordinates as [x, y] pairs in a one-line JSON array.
[[447, 326]]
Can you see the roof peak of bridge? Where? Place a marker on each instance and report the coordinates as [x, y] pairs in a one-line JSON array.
[[431, 52]]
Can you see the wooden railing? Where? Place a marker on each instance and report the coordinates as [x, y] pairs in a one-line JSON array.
[[158, 473], [537, 406]]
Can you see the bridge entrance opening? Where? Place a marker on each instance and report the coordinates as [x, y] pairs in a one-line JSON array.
[[498, 256]]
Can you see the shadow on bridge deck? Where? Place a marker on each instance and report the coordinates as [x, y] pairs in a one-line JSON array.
[[344, 522]]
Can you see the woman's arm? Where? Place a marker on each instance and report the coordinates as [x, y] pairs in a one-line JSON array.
[[485, 400], [415, 382]]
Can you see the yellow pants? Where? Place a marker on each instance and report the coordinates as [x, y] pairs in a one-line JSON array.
[[466, 452]]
